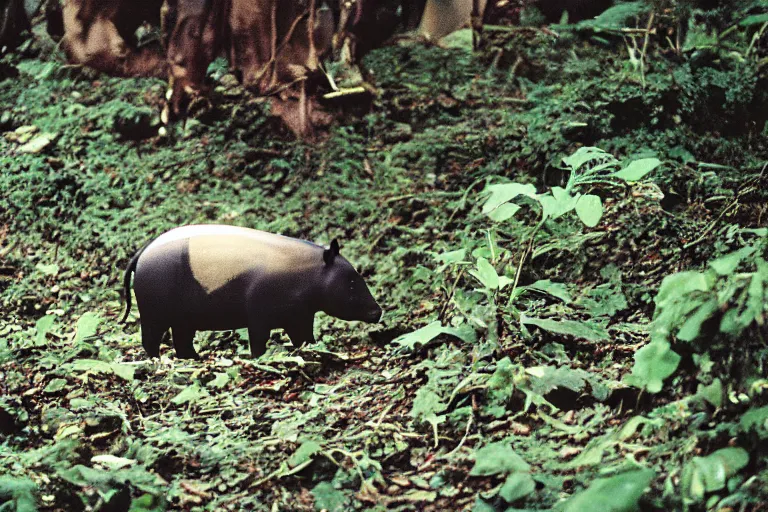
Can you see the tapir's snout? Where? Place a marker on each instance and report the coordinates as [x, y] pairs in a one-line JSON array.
[[374, 315]]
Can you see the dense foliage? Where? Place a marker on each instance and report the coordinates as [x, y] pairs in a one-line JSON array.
[[567, 229]]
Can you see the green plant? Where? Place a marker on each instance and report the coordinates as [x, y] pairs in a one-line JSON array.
[[710, 309]]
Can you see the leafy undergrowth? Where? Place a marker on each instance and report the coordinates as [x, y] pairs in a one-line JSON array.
[[564, 326]]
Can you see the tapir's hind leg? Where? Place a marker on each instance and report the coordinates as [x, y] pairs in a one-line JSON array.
[[151, 334], [183, 342]]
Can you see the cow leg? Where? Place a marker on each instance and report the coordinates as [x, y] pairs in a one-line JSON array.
[[183, 338], [151, 335], [300, 331]]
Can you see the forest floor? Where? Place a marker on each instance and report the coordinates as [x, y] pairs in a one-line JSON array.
[[517, 392]]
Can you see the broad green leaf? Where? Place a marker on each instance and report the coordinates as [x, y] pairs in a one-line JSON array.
[[756, 419], [691, 328], [504, 212], [680, 284], [190, 394], [86, 326], [124, 371], [486, 274], [712, 393], [557, 290], [726, 265], [429, 332], [48, 270], [637, 169], [547, 378], [497, 458], [582, 330], [584, 155], [589, 208], [482, 506], [329, 499], [620, 493], [459, 40], [755, 19], [456, 256], [703, 475], [221, 380], [55, 385], [91, 365], [653, 363], [505, 192], [518, 485], [42, 328], [17, 494], [504, 281], [305, 452], [426, 403], [556, 204]]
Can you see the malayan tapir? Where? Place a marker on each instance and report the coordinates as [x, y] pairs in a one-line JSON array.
[[217, 277]]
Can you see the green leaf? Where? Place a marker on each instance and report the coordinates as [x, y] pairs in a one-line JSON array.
[[505, 192], [429, 332], [482, 505], [48, 270], [502, 382], [17, 494], [582, 330], [756, 419], [426, 403], [653, 363], [691, 328], [221, 380], [620, 493], [547, 378], [556, 204], [584, 155], [497, 458], [589, 208], [304, 453], [504, 212], [457, 256], [518, 485], [726, 265], [55, 385], [124, 371], [486, 274], [703, 475], [86, 326], [190, 394], [637, 169], [328, 498], [755, 19], [557, 290], [712, 393], [42, 328]]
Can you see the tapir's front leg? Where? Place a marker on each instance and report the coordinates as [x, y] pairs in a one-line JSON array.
[[300, 331], [258, 334]]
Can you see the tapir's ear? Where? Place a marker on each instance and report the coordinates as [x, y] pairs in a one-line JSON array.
[[330, 254]]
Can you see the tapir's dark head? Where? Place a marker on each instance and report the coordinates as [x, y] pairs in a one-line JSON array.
[[345, 294]]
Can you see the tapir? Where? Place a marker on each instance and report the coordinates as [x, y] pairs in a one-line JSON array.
[[218, 277]]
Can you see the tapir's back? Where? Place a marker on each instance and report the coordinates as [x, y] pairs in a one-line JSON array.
[[214, 255]]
